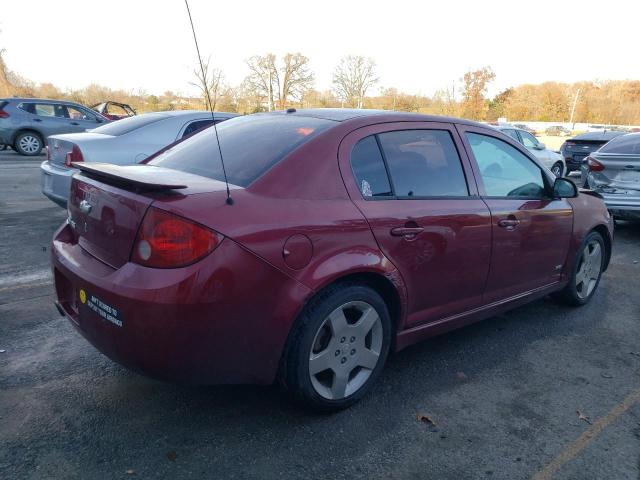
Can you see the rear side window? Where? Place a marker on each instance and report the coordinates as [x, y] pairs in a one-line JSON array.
[[193, 127], [423, 163], [512, 133], [129, 124], [505, 171], [369, 170], [623, 145], [251, 145]]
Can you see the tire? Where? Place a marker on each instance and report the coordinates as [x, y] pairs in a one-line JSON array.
[[29, 144], [585, 274], [343, 336], [557, 169]]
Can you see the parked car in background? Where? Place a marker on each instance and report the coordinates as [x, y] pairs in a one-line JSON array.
[[351, 233], [614, 172], [576, 149], [124, 142], [557, 131], [25, 123], [522, 126], [114, 110], [550, 159]]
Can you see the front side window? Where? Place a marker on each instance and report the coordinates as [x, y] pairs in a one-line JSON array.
[[369, 170], [528, 140], [77, 114], [505, 171], [423, 163]]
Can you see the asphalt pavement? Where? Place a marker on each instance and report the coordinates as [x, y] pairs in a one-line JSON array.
[[541, 392]]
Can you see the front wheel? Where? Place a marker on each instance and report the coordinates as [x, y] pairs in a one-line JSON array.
[[29, 144], [557, 169], [586, 272], [337, 347]]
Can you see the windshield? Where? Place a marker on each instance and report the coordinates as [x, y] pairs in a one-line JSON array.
[[624, 145], [129, 124], [250, 146]]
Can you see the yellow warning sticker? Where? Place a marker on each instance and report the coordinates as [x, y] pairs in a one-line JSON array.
[[83, 296]]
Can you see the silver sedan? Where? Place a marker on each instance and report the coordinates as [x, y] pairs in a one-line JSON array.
[[126, 141]]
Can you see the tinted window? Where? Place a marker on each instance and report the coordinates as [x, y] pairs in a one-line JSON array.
[[193, 127], [505, 171], [625, 144], [528, 140], [250, 145], [369, 170], [423, 163], [129, 124]]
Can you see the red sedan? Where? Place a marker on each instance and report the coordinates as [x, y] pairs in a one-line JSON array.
[[348, 234]]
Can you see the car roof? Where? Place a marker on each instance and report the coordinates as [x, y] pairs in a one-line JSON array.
[[605, 135], [43, 100], [346, 114]]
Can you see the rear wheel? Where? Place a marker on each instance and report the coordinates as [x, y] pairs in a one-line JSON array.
[[338, 347], [29, 144], [586, 272], [557, 169]]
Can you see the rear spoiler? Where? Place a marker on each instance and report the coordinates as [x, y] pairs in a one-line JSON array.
[[139, 177]]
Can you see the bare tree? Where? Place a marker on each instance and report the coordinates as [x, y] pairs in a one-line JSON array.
[[209, 83], [352, 78], [279, 84]]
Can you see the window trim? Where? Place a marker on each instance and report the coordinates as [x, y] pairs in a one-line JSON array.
[[465, 129], [393, 195]]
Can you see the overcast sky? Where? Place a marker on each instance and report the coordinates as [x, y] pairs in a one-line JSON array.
[[419, 46]]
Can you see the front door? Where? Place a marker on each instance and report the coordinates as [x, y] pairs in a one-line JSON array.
[[531, 229], [414, 185]]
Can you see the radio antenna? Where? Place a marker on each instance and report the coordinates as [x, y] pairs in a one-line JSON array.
[[206, 91]]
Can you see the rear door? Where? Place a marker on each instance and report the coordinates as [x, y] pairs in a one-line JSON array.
[[47, 118], [410, 180], [531, 229]]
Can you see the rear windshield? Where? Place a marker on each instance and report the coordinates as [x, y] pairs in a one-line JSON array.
[[625, 144], [126, 125], [250, 146]]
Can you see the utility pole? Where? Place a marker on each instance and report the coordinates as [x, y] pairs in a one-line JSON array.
[[573, 108]]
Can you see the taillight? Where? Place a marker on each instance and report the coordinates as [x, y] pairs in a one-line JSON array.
[[3, 114], [594, 165], [166, 240], [75, 155]]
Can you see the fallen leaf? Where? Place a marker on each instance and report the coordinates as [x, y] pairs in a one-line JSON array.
[[606, 375], [172, 455], [131, 471], [637, 354], [461, 376], [582, 416], [427, 421], [2, 351]]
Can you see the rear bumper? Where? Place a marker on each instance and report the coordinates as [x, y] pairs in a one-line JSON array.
[[55, 182], [211, 322], [574, 161], [621, 207]]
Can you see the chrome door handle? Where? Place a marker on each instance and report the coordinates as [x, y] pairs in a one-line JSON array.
[[406, 231], [508, 223]]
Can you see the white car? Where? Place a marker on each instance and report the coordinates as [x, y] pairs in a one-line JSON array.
[[123, 142], [550, 159]]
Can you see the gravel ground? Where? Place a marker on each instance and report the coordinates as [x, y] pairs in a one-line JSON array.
[[543, 391]]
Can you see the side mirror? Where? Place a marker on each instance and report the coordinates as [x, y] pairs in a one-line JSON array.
[[540, 146], [563, 188], [99, 120]]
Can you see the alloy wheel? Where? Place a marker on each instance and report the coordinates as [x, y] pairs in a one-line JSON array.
[[589, 269], [556, 170], [29, 143], [345, 350]]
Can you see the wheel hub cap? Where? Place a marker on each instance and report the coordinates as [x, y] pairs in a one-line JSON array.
[[589, 269], [345, 350]]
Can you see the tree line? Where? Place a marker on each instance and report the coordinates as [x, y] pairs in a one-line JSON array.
[[274, 82]]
